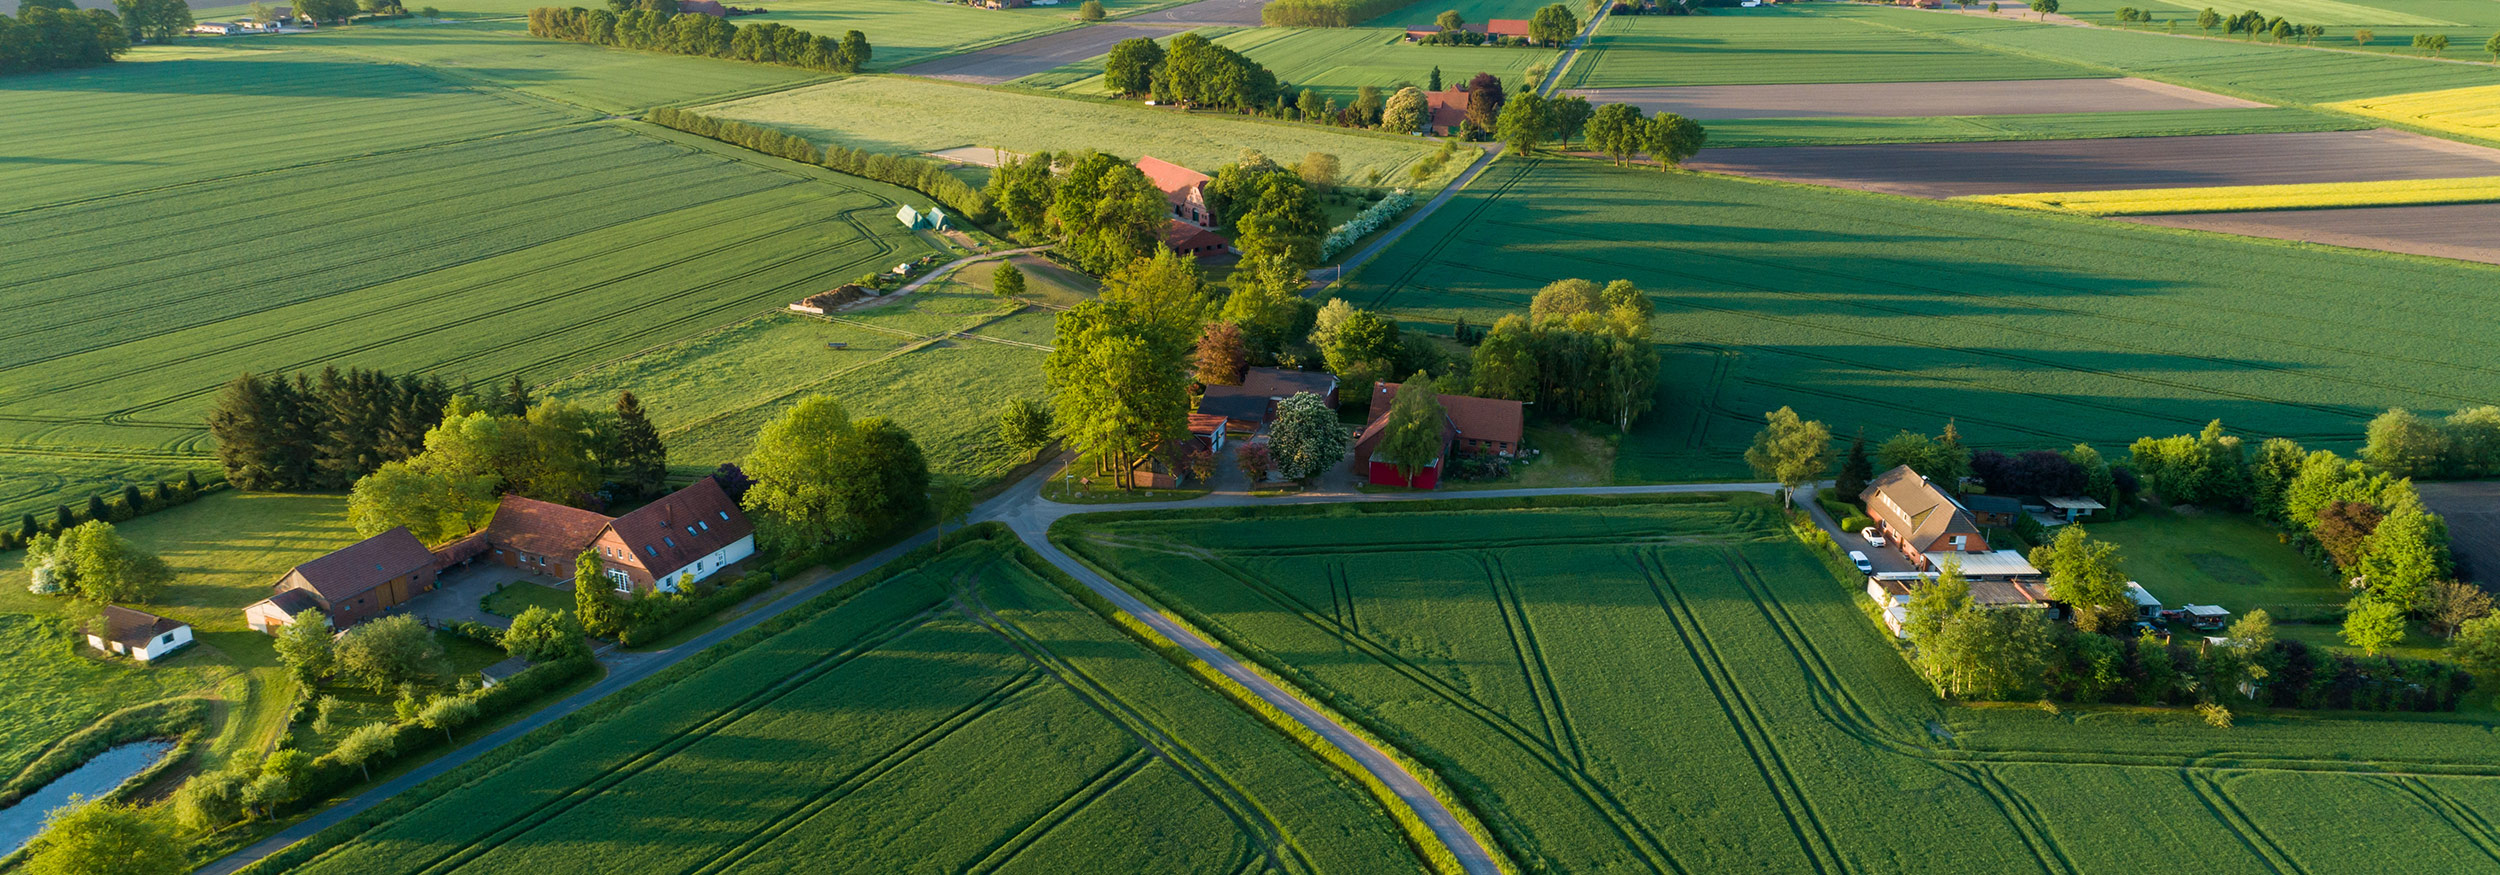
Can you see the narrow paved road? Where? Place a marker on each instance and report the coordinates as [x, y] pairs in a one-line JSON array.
[[1025, 512]]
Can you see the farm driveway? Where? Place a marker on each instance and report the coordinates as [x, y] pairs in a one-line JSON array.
[[1025, 512], [1913, 99], [1942, 170], [2466, 232], [1244, 12], [1023, 58]]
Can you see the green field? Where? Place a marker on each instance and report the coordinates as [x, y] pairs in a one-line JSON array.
[[468, 232], [1885, 313], [502, 54], [1736, 133], [2266, 72], [962, 716], [896, 114], [1786, 44], [1675, 685], [710, 394]]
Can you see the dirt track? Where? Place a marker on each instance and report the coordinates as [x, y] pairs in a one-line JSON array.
[[1941, 170], [1913, 99], [1024, 58], [1204, 12], [2467, 232]]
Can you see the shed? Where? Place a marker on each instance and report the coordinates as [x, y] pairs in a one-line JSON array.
[[491, 675], [2073, 507], [2146, 606], [1992, 510], [936, 217], [911, 218], [137, 634], [2206, 616]]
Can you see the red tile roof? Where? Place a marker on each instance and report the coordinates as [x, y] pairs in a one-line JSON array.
[[1171, 178], [1469, 418], [1186, 238], [543, 528], [1517, 27], [1449, 107], [131, 628], [684, 526], [357, 568]]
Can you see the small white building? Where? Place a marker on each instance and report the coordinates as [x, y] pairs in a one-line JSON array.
[[2146, 606], [137, 634]]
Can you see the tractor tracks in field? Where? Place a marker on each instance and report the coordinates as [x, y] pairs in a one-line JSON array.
[[2217, 801], [1532, 665], [667, 747]]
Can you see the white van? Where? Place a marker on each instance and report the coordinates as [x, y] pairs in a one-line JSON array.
[[1858, 558]]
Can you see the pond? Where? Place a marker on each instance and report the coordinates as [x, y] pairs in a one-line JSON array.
[[19, 823]]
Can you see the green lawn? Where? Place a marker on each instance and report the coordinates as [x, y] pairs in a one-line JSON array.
[[510, 599], [1675, 685], [1786, 44], [896, 114], [226, 549], [1886, 313], [854, 737], [1737, 133], [2230, 560]]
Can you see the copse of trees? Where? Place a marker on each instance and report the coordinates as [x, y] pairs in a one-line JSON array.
[[1553, 25], [154, 20], [1324, 13], [693, 33], [282, 433], [555, 452], [1196, 72], [1618, 131], [918, 174], [822, 477], [93, 563], [2462, 445], [1583, 351], [46, 37]]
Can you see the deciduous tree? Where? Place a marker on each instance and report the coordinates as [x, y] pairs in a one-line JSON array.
[[1791, 450], [1220, 355], [1305, 439], [1522, 124], [2085, 574], [307, 648], [1615, 130], [105, 838], [1411, 439], [1671, 138], [382, 654], [1407, 111], [543, 635], [595, 604], [2373, 625], [1007, 281], [1024, 424]]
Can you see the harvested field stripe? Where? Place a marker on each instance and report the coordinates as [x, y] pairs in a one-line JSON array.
[[2251, 198]]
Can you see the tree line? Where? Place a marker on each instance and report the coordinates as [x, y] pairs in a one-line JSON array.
[[56, 35], [131, 502], [1191, 71], [323, 432], [1324, 13], [693, 33], [918, 174], [549, 450]]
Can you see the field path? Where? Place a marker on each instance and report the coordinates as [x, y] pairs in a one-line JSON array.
[[1023, 510]]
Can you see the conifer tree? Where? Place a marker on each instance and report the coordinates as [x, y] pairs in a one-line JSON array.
[[641, 459]]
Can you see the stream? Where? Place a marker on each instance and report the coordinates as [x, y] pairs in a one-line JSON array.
[[19, 823]]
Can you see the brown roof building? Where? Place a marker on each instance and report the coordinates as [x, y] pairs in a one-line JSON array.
[[1920, 518], [693, 531], [351, 584], [137, 634], [1477, 426], [1253, 402], [1507, 27], [1184, 188], [1449, 111], [1196, 242]]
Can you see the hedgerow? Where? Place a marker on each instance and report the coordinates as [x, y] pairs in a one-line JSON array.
[[1324, 13], [918, 174]]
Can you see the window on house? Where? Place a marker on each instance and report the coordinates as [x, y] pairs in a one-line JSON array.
[[622, 580], [653, 552], [690, 531], [672, 542], [169, 638], [706, 526]]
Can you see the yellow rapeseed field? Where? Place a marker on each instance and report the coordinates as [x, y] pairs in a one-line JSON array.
[[2235, 198], [2474, 112]]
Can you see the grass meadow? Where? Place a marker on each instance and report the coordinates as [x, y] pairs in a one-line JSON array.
[[1882, 313], [1675, 685], [1785, 44], [858, 737], [895, 114]]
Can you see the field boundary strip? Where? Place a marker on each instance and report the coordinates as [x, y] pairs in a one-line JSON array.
[[2254, 198]]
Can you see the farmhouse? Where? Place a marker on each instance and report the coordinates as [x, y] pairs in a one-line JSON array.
[[351, 584], [1471, 426], [1920, 518], [1251, 404], [1184, 188], [1507, 28], [703, 7], [1193, 241], [137, 634], [1449, 111], [695, 531]]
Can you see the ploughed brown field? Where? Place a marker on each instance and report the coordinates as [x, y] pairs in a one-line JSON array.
[[1914, 99], [1941, 170], [1244, 12], [2467, 232], [2473, 514], [1026, 57]]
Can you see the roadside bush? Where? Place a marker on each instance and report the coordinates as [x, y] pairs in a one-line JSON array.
[[330, 774], [1854, 523], [1371, 219]]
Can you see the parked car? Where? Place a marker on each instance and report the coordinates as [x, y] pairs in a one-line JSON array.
[[1858, 558], [1872, 536]]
